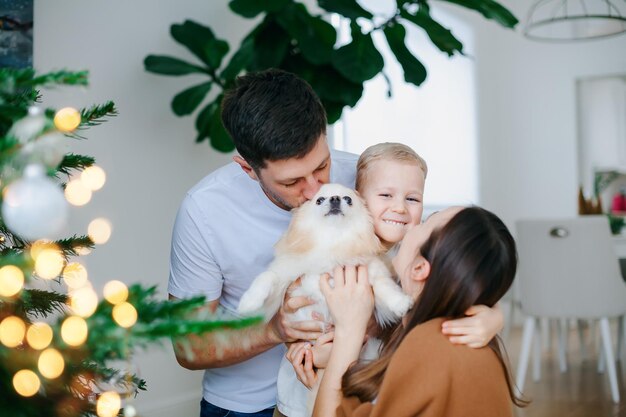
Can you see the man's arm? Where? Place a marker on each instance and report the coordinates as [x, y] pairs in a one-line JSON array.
[[228, 347]]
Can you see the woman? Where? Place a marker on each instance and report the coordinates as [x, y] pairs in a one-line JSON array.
[[456, 259]]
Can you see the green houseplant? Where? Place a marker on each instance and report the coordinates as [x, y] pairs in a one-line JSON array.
[[291, 38]]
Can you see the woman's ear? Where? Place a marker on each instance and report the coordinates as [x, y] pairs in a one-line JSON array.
[[245, 166], [420, 271]]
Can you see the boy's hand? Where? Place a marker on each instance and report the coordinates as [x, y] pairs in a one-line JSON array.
[[301, 358], [476, 330]]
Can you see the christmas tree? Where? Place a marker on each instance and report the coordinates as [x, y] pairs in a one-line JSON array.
[[60, 346]]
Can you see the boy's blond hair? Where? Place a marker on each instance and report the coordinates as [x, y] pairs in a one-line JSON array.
[[388, 151]]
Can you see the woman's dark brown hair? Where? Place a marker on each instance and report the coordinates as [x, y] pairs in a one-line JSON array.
[[472, 261]]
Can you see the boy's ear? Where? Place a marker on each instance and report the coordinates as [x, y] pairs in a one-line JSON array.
[[246, 167], [420, 271]]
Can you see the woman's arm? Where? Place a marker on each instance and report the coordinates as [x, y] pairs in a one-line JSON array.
[[351, 303]]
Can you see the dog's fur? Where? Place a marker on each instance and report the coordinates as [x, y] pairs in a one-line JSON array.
[[333, 229]]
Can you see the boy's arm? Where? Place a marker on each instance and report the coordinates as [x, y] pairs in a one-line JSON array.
[[228, 347], [475, 331]]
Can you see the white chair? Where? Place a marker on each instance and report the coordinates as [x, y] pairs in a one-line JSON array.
[[568, 270]]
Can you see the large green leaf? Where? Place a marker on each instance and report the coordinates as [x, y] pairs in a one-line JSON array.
[[186, 102], [160, 64], [240, 60], [251, 8], [330, 85], [270, 46], [439, 35], [333, 110], [203, 120], [414, 71], [314, 35], [348, 8], [201, 41], [219, 137], [489, 9], [359, 60]]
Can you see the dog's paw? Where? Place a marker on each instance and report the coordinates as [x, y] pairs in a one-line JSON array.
[[401, 304], [254, 298]]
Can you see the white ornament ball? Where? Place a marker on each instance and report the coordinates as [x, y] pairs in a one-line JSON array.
[[129, 411], [34, 206]]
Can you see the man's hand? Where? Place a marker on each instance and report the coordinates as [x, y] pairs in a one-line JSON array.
[[284, 330]]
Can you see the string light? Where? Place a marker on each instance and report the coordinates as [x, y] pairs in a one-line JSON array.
[[12, 331], [84, 301], [93, 177], [77, 193], [51, 363], [75, 275], [99, 230], [115, 292], [67, 119], [125, 314], [11, 280], [39, 246], [74, 331], [109, 404], [39, 335], [82, 250], [26, 383], [49, 263]]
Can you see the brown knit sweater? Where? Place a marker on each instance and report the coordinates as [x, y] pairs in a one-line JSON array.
[[430, 377]]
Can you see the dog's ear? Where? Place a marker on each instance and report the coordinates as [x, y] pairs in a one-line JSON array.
[[295, 240]]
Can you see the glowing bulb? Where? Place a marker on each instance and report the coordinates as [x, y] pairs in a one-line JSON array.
[[12, 331], [26, 383], [82, 250], [84, 301], [74, 331], [67, 119], [99, 230], [39, 335], [49, 263], [115, 292], [77, 193], [51, 363], [11, 280], [109, 404], [75, 275], [125, 314], [93, 177], [41, 245]]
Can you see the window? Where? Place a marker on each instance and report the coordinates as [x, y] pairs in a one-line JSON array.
[[438, 119]]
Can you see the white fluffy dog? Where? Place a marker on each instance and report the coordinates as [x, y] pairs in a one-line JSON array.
[[333, 229]]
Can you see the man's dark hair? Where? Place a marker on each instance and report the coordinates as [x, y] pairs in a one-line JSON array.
[[272, 115]]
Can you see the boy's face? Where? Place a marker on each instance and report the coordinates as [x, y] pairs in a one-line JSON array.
[[394, 193], [289, 183]]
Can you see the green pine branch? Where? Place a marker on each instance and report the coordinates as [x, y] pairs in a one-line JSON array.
[[70, 246], [76, 162], [40, 303]]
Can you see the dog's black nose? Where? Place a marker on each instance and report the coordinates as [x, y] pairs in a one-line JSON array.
[[335, 201]]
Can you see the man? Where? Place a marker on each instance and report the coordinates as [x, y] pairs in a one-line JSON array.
[[228, 223]]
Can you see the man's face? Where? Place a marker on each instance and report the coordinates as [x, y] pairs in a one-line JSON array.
[[289, 183]]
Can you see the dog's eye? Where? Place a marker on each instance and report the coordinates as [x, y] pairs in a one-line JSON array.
[[320, 200], [348, 200]]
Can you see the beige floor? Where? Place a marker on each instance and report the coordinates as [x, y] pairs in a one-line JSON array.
[[579, 392]]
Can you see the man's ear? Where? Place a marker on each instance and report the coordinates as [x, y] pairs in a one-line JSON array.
[[420, 271], [246, 167]]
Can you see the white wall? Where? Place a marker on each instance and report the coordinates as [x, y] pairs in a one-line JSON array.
[[527, 116], [149, 154], [527, 134]]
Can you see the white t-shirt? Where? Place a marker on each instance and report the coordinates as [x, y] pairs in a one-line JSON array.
[[223, 237]]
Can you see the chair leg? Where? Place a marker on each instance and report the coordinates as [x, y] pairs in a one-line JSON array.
[[620, 338], [601, 359], [522, 366], [563, 330], [610, 359], [537, 354], [581, 338]]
